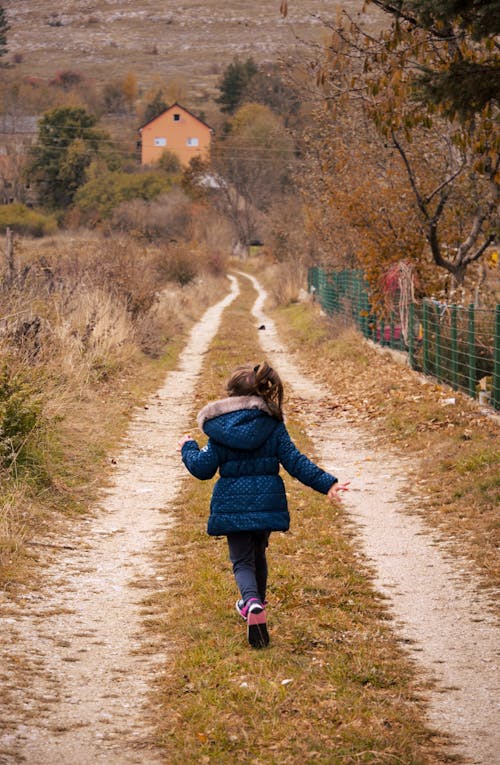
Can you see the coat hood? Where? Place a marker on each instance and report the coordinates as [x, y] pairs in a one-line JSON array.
[[239, 422]]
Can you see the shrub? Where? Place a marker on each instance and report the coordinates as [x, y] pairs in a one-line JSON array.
[[166, 217], [178, 265], [67, 79], [20, 418], [26, 221], [169, 162], [107, 190]]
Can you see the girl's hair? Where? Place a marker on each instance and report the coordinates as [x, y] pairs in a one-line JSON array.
[[261, 381]]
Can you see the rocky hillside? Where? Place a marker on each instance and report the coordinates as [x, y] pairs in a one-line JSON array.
[[192, 40]]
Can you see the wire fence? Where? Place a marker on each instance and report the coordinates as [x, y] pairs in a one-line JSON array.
[[457, 345]]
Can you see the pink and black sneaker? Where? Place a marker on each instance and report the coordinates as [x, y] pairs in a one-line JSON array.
[[242, 607], [254, 612]]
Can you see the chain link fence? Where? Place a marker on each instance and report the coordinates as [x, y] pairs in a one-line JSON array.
[[458, 345]]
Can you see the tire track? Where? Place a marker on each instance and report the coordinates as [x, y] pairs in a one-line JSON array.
[[78, 645], [438, 610]]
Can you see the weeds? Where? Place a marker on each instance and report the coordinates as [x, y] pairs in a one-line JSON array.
[[82, 319]]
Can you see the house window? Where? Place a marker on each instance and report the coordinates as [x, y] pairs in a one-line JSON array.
[[160, 141], [192, 142], [177, 117]]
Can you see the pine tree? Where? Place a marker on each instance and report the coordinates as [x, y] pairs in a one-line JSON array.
[[155, 107], [67, 143], [234, 81]]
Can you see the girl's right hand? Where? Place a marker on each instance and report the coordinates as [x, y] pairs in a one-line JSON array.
[[333, 492]]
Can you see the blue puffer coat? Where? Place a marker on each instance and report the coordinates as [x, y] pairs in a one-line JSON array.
[[247, 445]]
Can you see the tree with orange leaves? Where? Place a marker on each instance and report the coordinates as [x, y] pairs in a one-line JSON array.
[[444, 187]]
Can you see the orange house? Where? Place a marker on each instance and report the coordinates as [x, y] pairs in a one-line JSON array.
[[177, 130]]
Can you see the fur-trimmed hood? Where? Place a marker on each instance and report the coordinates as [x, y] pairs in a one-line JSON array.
[[241, 422], [230, 404]]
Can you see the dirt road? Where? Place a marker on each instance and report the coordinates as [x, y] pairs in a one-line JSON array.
[[77, 662]]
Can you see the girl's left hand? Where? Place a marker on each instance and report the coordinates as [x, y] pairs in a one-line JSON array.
[[333, 493], [183, 439]]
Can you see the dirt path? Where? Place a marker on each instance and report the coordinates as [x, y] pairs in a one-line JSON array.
[[78, 667], [76, 663], [438, 612]]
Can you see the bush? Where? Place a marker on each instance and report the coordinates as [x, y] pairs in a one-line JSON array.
[[20, 418], [169, 162], [178, 265], [24, 220], [167, 217], [107, 190]]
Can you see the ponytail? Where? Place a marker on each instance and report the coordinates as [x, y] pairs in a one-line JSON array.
[[261, 381]]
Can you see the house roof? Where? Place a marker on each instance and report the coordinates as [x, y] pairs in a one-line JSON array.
[[18, 125], [176, 106]]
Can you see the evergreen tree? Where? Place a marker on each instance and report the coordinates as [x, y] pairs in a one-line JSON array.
[[66, 145], [4, 28], [155, 107], [234, 82]]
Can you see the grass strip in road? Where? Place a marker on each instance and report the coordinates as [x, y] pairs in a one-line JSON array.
[[333, 687]]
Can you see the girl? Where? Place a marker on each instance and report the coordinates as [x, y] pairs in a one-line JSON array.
[[248, 442]]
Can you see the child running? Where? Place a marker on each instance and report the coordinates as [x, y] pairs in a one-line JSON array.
[[247, 443]]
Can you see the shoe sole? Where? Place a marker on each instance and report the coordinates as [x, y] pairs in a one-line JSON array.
[[257, 633]]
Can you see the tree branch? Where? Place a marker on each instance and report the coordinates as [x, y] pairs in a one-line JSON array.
[[411, 176]]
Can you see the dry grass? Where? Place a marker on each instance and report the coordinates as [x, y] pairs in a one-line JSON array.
[[455, 474], [84, 338], [286, 282], [334, 686]]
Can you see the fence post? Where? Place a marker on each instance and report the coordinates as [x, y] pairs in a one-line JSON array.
[[454, 347], [9, 256], [437, 335], [495, 383], [411, 336], [425, 327], [472, 351]]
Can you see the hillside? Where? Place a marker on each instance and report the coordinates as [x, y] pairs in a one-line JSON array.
[[158, 39]]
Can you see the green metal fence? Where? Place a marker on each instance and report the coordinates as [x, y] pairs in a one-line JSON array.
[[457, 345]]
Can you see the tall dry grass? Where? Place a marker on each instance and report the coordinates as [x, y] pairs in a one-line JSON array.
[[83, 319], [286, 280]]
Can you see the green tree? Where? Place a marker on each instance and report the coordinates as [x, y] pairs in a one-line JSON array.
[[4, 28], [169, 162], [67, 143], [233, 83], [155, 107]]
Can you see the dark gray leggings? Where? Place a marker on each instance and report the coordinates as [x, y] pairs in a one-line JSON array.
[[247, 552]]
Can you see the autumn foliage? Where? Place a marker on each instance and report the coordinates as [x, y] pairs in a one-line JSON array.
[[390, 171]]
